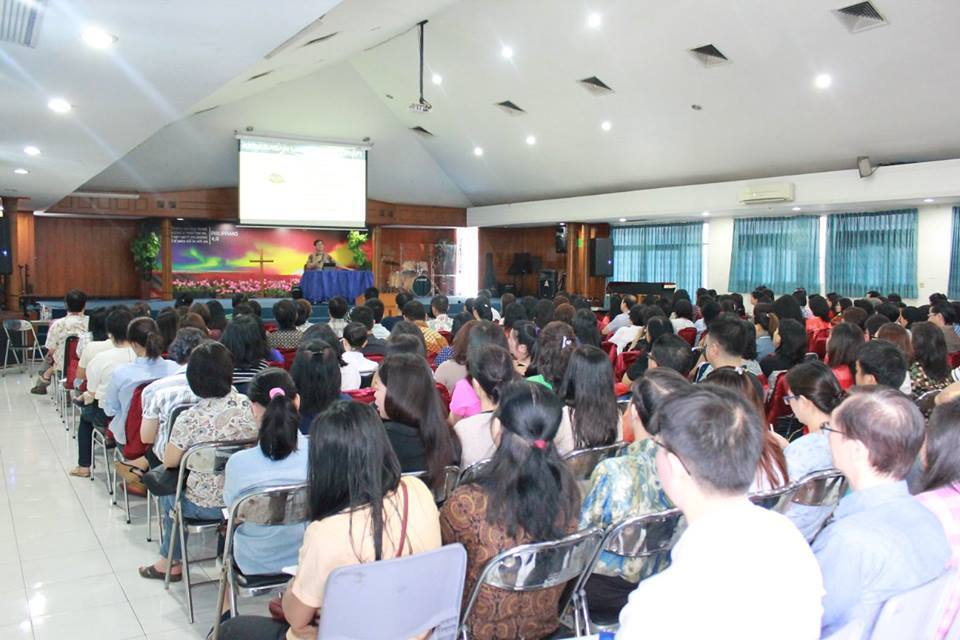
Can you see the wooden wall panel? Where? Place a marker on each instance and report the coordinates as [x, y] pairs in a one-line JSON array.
[[379, 212], [197, 204], [503, 242], [84, 253]]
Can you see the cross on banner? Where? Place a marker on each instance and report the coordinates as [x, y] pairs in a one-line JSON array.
[[261, 262]]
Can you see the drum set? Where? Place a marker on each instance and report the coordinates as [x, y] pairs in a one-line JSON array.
[[412, 276]]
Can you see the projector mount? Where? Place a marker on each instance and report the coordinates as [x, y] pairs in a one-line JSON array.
[[421, 106]]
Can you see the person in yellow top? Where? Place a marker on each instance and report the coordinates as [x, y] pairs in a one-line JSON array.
[[357, 507], [415, 312], [319, 258]]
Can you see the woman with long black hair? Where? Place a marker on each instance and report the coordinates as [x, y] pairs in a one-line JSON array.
[[361, 510], [522, 342], [525, 495], [316, 372], [590, 411], [790, 344], [930, 369]]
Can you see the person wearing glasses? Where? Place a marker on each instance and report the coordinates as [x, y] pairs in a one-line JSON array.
[[881, 540], [735, 560]]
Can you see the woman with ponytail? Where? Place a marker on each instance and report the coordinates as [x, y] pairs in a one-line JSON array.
[[814, 392], [554, 345], [279, 458], [523, 347], [491, 369], [525, 495], [316, 372], [148, 344]]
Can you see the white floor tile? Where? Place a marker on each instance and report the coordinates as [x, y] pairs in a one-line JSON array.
[[13, 608], [75, 595], [110, 622], [45, 571], [17, 631], [11, 577]]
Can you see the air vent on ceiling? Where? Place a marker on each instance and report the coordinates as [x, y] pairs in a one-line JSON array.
[[595, 85], [320, 39], [20, 21], [510, 108], [709, 55], [861, 16], [421, 131], [259, 75]]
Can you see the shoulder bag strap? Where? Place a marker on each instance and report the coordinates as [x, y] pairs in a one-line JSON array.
[[403, 523]]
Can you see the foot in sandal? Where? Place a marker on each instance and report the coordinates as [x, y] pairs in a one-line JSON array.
[[80, 472]]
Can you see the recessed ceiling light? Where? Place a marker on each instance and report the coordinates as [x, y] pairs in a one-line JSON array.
[[823, 81], [531, 140], [31, 150], [179, 219], [478, 151], [59, 105], [606, 125], [506, 52], [623, 219], [594, 20], [437, 78], [929, 200], [97, 38], [705, 214], [21, 172]]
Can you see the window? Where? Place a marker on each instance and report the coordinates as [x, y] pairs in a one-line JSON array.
[[781, 253], [872, 251], [660, 253]]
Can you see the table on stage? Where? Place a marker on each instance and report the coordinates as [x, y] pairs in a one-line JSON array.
[[320, 286]]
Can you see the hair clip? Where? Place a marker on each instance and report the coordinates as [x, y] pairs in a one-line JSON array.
[[540, 444], [277, 391], [565, 341]]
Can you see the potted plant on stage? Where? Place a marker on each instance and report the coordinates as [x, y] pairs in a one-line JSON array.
[[145, 248], [356, 240]]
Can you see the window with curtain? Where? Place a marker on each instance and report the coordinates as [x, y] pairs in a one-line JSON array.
[[953, 289], [660, 253], [781, 253], [872, 251]]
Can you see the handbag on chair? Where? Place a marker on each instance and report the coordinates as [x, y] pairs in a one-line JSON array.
[[161, 481]]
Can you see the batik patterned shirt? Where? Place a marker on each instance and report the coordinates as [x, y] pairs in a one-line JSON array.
[[624, 487], [61, 329]]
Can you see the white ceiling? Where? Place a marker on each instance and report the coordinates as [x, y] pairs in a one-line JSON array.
[[892, 98]]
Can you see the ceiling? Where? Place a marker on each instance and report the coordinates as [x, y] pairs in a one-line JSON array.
[[892, 96]]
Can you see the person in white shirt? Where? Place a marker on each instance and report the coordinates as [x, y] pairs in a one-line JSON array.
[[735, 560], [682, 315], [439, 306], [623, 319], [73, 324], [354, 340], [625, 336]]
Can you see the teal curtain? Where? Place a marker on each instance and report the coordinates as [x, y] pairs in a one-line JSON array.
[[867, 251], [953, 289], [660, 253], [781, 253]]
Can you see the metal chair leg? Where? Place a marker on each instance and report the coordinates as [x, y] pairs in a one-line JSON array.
[[175, 516], [149, 518], [185, 569]]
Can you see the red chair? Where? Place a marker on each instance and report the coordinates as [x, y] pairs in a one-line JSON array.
[[689, 334], [447, 336], [444, 394], [375, 357], [624, 361], [620, 389], [135, 447], [362, 395], [288, 356], [820, 346], [954, 359], [814, 339], [71, 361], [776, 407], [270, 326]]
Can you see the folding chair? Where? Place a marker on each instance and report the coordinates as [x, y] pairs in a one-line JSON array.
[[471, 473], [533, 567], [134, 448], [205, 457], [165, 428], [778, 499], [65, 380], [818, 494], [22, 343], [582, 462], [269, 506], [648, 537], [414, 594], [288, 357], [99, 439], [451, 480]]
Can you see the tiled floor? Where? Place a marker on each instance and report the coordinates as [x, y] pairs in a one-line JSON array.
[[68, 560]]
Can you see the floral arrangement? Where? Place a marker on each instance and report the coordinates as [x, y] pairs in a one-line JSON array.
[[201, 287]]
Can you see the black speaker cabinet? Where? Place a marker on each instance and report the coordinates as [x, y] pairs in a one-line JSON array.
[[560, 237], [601, 257]]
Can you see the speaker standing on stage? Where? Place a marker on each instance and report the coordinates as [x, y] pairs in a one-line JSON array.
[[319, 258]]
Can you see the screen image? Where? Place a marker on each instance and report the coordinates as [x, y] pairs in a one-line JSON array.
[[302, 183]]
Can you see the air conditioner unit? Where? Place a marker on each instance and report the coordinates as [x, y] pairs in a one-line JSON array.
[[767, 193]]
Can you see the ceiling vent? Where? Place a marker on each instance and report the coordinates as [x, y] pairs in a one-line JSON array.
[[20, 21], [595, 85], [709, 56], [862, 16], [259, 75], [510, 108], [319, 40], [421, 131]]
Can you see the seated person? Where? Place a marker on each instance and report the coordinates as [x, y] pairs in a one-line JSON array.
[[669, 351], [304, 311], [287, 336], [376, 306], [374, 346], [881, 541], [491, 369], [790, 347], [525, 495], [845, 341], [454, 369], [73, 324], [735, 560], [930, 370], [221, 414], [349, 525], [627, 335], [682, 317], [317, 376], [414, 312], [725, 344], [354, 340], [464, 402], [337, 308], [942, 315], [246, 339], [440, 321], [319, 258], [654, 327], [626, 486], [555, 343], [402, 299], [880, 363], [622, 319], [279, 458]]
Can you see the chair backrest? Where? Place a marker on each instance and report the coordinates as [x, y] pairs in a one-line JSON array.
[[624, 361], [471, 473], [365, 395], [913, 613], [778, 499], [208, 457], [451, 480], [71, 361], [820, 488], [689, 334], [272, 506], [288, 356], [776, 408], [444, 394], [582, 462], [954, 359], [447, 336], [413, 595], [18, 331], [532, 567], [927, 402], [375, 357], [134, 447]]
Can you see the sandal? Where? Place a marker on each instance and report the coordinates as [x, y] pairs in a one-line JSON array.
[[129, 472], [150, 573], [80, 472]]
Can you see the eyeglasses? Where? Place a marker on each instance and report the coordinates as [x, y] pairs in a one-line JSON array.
[[787, 399], [660, 443], [826, 427]]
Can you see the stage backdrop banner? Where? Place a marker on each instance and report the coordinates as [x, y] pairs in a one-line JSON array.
[[211, 259]]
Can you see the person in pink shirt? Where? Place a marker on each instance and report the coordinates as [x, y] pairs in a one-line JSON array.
[[941, 489]]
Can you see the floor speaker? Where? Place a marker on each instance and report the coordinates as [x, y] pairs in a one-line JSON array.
[[6, 257], [601, 257]]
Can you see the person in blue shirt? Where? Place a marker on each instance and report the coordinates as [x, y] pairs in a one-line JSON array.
[[881, 541], [280, 458]]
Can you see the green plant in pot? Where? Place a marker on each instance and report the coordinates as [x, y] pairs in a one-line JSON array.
[[145, 248], [355, 242]]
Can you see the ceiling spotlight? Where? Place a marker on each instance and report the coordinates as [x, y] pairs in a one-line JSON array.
[[796, 208], [506, 52], [478, 151], [437, 78], [31, 150], [97, 38], [823, 81], [606, 125], [929, 200], [594, 20], [623, 219], [705, 214], [21, 172], [531, 140], [59, 105]]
